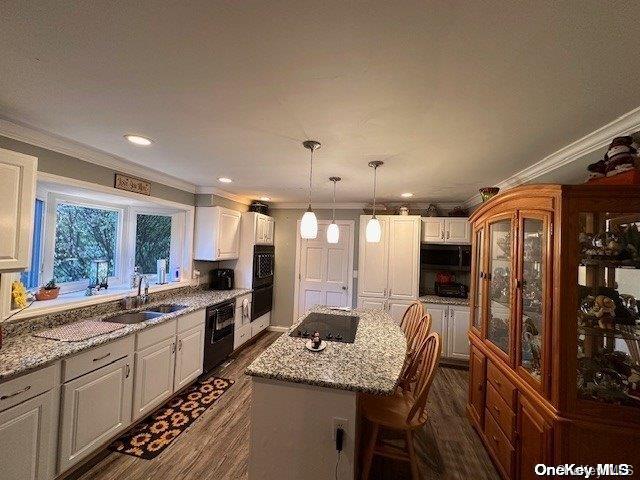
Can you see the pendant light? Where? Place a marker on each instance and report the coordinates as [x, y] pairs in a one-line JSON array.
[[374, 231], [309, 223], [333, 231]]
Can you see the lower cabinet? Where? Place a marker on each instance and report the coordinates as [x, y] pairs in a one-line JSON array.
[[95, 407], [535, 440], [27, 438], [372, 303], [260, 324], [477, 375], [452, 323], [189, 356], [242, 321], [397, 308], [154, 371]]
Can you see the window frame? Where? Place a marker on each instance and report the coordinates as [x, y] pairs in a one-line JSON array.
[[50, 223]]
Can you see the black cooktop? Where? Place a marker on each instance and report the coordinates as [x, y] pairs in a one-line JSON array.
[[335, 328]]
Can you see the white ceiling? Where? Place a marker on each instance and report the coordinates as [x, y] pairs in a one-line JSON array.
[[451, 95]]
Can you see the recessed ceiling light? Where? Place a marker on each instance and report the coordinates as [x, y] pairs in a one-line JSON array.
[[265, 199], [407, 195], [224, 180], [138, 140]]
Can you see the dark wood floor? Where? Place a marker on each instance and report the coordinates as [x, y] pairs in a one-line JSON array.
[[216, 446]]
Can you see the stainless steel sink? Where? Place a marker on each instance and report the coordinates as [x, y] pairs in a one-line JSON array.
[[133, 317], [166, 308]]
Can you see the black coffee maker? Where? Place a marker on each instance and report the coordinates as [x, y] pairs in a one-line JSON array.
[[222, 279]]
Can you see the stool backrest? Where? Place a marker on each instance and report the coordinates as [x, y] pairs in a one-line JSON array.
[[429, 354]]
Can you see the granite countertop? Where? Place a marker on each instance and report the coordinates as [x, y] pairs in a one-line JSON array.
[[371, 364], [25, 352], [444, 300]]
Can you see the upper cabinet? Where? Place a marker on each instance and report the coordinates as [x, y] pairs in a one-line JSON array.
[[217, 233], [454, 230], [17, 184], [264, 226]]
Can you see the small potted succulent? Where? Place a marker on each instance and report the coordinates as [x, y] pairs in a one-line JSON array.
[[49, 291]]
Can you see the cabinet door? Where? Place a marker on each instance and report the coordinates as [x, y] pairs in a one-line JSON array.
[[95, 407], [373, 260], [397, 308], [457, 332], [269, 229], [499, 328], [535, 440], [372, 303], [458, 230], [26, 439], [17, 184], [478, 284], [189, 356], [439, 318], [154, 367], [433, 230], [228, 234], [404, 257], [477, 381], [260, 229]]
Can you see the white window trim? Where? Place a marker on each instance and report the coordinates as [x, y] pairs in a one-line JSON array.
[[51, 205]]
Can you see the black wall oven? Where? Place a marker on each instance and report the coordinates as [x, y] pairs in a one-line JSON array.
[[263, 268], [445, 257], [218, 334]]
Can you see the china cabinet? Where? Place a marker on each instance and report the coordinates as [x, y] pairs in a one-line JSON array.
[[555, 326]]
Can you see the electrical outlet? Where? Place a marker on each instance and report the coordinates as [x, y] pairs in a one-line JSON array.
[[339, 423]]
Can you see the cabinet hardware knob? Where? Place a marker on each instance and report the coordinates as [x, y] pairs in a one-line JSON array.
[[179, 344], [496, 409], [173, 348], [495, 439], [25, 389], [102, 357], [128, 371]]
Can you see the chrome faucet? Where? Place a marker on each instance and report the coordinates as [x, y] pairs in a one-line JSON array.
[[141, 298]]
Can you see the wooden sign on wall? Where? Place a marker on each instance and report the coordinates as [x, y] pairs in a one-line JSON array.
[[132, 184]]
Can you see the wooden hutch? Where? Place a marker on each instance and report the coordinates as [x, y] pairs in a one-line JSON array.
[[555, 330]]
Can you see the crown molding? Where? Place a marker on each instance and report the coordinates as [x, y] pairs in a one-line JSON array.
[[317, 206], [223, 193], [623, 125], [40, 138]]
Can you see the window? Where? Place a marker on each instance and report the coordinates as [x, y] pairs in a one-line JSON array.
[[83, 234], [153, 241]]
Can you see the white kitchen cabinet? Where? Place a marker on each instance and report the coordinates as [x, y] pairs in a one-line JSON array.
[[18, 187], [189, 356], [453, 230], [217, 233], [397, 308], [264, 227], [154, 371], [243, 311], [260, 324], [95, 407], [388, 271], [241, 336], [452, 323]]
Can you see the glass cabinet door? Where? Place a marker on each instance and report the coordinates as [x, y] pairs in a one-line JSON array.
[[533, 257], [608, 317], [499, 309], [478, 276]]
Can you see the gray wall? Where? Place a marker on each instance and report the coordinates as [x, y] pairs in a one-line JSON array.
[[286, 230], [72, 167]]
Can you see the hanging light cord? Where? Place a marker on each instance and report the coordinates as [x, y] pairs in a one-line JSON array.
[[310, 176], [375, 177], [333, 214]]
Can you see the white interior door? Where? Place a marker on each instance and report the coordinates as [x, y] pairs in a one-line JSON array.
[[324, 269]]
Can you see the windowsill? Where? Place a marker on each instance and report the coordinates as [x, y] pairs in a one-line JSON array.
[[78, 299]]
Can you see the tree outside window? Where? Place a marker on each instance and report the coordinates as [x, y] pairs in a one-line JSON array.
[[83, 234], [153, 241]]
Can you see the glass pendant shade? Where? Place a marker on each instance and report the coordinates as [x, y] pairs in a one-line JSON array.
[[309, 226], [374, 231], [333, 233]]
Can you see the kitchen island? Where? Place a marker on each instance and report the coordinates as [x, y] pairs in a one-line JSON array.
[[299, 397]]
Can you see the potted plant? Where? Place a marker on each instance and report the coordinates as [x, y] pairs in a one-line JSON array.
[[49, 291]]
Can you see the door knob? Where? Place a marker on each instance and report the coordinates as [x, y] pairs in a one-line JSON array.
[[344, 287]]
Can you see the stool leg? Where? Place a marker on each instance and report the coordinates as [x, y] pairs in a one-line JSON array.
[[368, 453], [415, 473]]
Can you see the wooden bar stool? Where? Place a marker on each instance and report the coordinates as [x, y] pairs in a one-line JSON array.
[[412, 315], [412, 361], [401, 412]]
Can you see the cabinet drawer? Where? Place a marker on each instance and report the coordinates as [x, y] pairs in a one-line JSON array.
[[191, 320], [259, 324], [241, 335], [498, 443], [502, 384], [154, 335], [96, 357], [501, 412], [28, 386]]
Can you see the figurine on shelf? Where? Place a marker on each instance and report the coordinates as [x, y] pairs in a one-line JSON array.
[[621, 156]]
